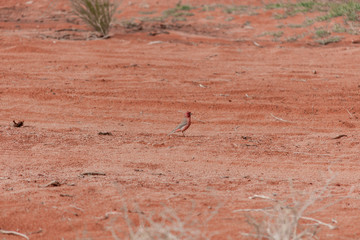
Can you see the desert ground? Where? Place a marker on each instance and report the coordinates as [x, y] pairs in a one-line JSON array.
[[275, 116]]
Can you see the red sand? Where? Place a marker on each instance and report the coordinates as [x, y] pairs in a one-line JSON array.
[[263, 115]]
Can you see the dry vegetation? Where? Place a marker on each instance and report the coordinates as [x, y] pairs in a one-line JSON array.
[[294, 218], [291, 218], [98, 14]]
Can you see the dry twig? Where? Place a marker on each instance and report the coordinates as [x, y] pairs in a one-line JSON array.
[[320, 222], [277, 118], [340, 136], [14, 233], [52, 184], [93, 174], [349, 113]]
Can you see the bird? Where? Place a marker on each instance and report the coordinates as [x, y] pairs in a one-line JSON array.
[[18, 124], [184, 125]]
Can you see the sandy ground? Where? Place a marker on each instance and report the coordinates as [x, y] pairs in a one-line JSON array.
[[267, 114]]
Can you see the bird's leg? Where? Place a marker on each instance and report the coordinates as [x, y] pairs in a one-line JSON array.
[[183, 134]]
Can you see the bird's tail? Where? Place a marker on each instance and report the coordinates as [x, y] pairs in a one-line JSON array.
[[171, 132]]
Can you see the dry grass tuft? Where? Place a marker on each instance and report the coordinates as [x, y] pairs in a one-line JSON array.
[[96, 13]]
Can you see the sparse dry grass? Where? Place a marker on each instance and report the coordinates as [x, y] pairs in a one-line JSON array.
[[96, 13], [348, 10], [164, 225], [332, 39], [293, 218]]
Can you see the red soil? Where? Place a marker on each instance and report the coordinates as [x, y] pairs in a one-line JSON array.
[[263, 115]]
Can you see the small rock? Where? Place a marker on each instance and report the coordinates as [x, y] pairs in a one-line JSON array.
[[105, 133]]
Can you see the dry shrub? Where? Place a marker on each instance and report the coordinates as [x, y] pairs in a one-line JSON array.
[[291, 219], [165, 225], [96, 13]]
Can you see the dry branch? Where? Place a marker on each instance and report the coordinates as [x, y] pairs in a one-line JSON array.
[[349, 113], [262, 197], [340, 136], [52, 184], [14, 233], [320, 222]]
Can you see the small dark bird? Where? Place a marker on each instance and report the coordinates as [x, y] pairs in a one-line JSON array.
[[18, 124]]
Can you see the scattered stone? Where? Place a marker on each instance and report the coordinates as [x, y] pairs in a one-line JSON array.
[[66, 195], [105, 133], [93, 174]]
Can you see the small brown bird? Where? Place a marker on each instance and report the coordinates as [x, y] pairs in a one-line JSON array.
[[18, 124], [184, 125]]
